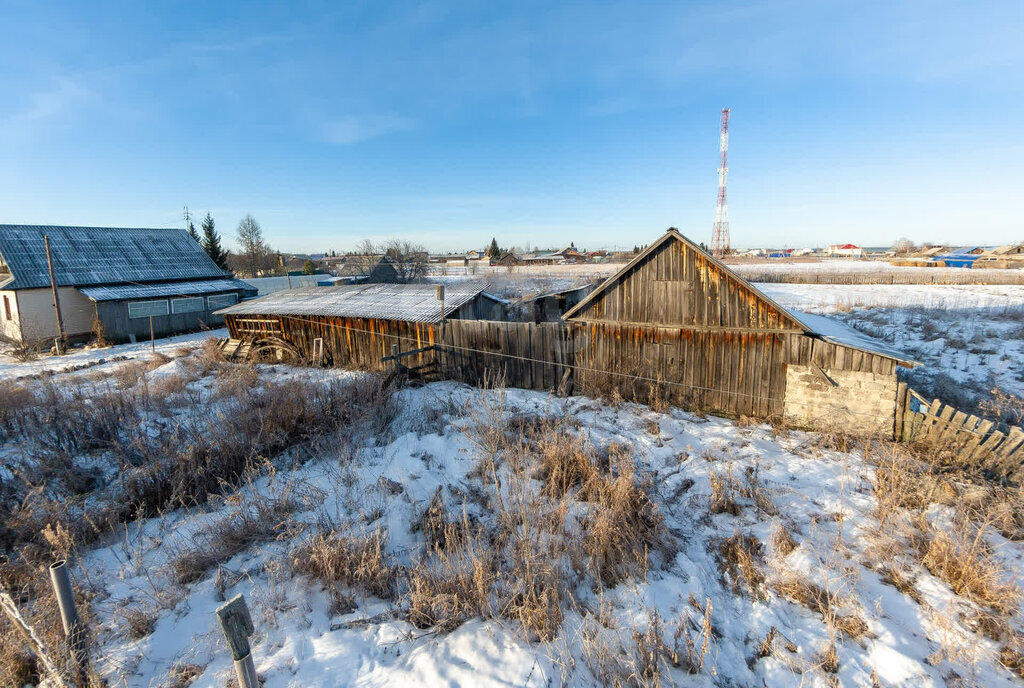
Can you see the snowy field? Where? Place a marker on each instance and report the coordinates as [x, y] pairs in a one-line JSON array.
[[449, 536]]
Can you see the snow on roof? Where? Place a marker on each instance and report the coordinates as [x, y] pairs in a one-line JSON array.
[[103, 255], [142, 291], [832, 330], [408, 302]]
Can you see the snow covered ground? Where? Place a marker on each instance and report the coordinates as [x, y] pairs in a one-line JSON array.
[[769, 557], [80, 358], [764, 557], [831, 298], [970, 339]]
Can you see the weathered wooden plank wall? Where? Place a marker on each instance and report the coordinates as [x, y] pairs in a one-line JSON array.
[[526, 355], [678, 286], [357, 343], [734, 373]]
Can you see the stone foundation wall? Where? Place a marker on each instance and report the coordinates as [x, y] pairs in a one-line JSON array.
[[860, 403]]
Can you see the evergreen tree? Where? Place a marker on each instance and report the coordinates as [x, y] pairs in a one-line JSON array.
[[211, 243], [308, 268], [493, 251], [193, 233]]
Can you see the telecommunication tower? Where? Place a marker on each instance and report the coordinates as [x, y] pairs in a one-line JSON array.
[[720, 231]]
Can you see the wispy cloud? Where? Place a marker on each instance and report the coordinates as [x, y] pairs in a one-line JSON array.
[[355, 128], [46, 105]]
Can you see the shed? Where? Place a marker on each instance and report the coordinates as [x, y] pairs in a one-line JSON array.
[[357, 323], [551, 306], [683, 325], [368, 270], [117, 280]]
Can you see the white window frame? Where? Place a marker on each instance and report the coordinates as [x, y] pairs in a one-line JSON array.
[[217, 301], [188, 304], [152, 308]]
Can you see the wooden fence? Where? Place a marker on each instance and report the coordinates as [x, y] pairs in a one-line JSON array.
[[883, 276], [527, 355], [968, 437]]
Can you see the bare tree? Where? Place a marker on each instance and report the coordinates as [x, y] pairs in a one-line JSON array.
[[409, 259], [903, 246], [365, 256], [258, 256]]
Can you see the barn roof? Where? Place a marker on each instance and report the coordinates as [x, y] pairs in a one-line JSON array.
[[408, 302], [143, 291], [670, 235], [815, 326], [85, 256], [832, 330]]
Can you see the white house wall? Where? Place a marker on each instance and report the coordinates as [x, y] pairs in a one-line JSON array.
[[9, 329], [37, 318]]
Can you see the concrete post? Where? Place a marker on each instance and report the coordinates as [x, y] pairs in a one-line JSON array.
[[236, 623]]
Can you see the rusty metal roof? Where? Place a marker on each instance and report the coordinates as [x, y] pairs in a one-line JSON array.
[[143, 291], [408, 302], [84, 256]]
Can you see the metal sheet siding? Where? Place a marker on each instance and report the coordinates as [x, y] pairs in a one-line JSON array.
[[85, 256], [142, 291], [406, 302]]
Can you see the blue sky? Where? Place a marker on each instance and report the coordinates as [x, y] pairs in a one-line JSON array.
[[536, 122]]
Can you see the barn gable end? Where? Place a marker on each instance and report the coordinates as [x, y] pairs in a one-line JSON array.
[[674, 283]]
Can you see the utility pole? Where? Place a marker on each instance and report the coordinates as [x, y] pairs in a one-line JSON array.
[[56, 297]]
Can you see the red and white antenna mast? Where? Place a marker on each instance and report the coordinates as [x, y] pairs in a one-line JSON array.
[[720, 231]]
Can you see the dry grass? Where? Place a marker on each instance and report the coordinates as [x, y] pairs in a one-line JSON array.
[[820, 600], [624, 526], [255, 517], [963, 559], [139, 620], [782, 540], [358, 561], [724, 490], [654, 649], [450, 585], [741, 559]]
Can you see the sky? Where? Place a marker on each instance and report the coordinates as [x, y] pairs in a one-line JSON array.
[[538, 123]]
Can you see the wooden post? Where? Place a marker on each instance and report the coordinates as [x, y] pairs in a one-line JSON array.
[[440, 297], [73, 631], [236, 623], [56, 297], [901, 410], [152, 337]]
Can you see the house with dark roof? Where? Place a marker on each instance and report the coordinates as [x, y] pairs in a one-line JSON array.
[[118, 281], [367, 270]]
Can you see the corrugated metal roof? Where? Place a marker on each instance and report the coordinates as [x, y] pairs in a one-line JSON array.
[[142, 291], [408, 302], [102, 255], [832, 330]]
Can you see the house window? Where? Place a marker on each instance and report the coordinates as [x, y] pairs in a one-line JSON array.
[[221, 301], [188, 305], [7, 307], [144, 309]]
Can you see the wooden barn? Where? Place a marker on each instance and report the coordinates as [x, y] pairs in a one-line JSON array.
[[353, 326], [677, 323]]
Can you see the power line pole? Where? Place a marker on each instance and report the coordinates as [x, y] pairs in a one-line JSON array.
[[720, 231], [56, 296]]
